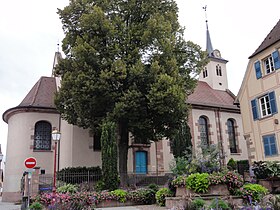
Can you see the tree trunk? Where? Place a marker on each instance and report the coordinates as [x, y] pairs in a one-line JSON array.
[[122, 153]]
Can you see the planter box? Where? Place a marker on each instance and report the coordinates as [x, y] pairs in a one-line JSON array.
[[113, 203], [272, 185], [218, 189], [183, 191], [181, 202]]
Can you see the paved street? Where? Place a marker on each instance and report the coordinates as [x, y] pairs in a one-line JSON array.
[[8, 206]]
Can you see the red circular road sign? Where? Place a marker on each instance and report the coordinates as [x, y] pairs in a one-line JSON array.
[[30, 162]]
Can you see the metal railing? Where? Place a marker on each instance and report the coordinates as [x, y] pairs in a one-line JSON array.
[[89, 179]]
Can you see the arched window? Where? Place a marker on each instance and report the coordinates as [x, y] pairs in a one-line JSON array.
[[231, 136], [42, 136], [203, 129]]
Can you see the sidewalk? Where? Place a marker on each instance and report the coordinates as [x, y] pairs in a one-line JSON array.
[[8, 206]]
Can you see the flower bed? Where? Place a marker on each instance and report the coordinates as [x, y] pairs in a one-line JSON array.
[[79, 200]]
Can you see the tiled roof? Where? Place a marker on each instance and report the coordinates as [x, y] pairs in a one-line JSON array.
[[40, 98], [271, 38], [41, 94], [206, 96]]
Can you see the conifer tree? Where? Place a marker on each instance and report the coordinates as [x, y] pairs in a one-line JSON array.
[[181, 144], [109, 154]]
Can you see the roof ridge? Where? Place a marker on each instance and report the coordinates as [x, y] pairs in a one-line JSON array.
[[36, 91], [268, 37]]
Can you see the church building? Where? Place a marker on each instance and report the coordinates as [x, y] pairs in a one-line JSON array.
[[213, 119]]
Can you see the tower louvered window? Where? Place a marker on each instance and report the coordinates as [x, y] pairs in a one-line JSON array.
[[42, 136]]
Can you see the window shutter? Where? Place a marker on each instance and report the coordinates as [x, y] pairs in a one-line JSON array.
[[266, 145], [273, 148], [276, 60], [254, 109], [258, 69], [272, 102]]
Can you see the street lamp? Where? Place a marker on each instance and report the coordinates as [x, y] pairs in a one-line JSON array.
[[56, 137]]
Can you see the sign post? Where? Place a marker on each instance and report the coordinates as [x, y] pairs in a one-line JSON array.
[[29, 163]]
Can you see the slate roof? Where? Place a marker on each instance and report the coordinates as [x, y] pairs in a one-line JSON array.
[[40, 97], [271, 38], [41, 94], [206, 96]]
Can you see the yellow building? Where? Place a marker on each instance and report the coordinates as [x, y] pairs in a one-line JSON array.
[[259, 99]]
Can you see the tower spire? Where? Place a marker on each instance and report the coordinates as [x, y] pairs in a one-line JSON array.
[[209, 47]]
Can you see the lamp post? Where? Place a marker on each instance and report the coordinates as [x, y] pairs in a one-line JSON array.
[[56, 137]]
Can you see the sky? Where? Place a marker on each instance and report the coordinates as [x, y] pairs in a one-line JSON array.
[[30, 31]]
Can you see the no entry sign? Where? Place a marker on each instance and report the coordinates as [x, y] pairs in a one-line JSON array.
[[30, 162]]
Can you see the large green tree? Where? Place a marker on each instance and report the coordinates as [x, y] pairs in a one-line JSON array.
[[126, 60]]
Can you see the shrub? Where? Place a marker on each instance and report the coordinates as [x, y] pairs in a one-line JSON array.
[[219, 204], [161, 194], [198, 182], [120, 195], [266, 169], [179, 181], [252, 192], [153, 187], [142, 196], [36, 206], [99, 186], [68, 188], [197, 204], [179, 166], [232, 164]]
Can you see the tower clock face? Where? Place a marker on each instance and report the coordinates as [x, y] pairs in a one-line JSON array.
[[217, 53]]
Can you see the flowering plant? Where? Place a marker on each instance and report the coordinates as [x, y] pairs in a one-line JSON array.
[[252, 192], [179, 181]]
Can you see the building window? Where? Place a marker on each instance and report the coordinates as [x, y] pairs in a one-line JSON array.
[[231, 136], [203, 130], [205, 73], [42, 136], [269, 65], [264, 106], [269, 144], [219, 70]]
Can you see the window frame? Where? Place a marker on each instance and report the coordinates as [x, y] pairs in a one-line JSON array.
[[42, 135], [203, 138], [269, 65], [233, 146]]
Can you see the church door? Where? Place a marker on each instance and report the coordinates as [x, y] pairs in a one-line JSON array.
[[141, 162]]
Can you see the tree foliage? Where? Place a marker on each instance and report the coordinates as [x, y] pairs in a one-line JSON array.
[[109, 154], [181, 143], [126, 61]]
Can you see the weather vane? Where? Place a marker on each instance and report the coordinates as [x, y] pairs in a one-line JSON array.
[[205, 8]]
